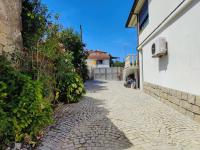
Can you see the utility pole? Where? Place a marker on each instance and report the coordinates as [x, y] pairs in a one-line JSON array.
[[81, 33]]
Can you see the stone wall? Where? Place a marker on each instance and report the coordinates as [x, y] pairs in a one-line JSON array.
[[185, 103], [10, 25]]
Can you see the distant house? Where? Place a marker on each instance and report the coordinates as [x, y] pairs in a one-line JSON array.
[[169, 51], [98, 59]]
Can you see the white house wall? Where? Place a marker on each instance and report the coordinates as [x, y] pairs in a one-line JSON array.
[[105, 64], [180, 69], [91, 63]]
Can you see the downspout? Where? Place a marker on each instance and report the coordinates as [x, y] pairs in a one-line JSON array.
[[141, 81]]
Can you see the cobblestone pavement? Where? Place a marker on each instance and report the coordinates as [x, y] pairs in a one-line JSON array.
[[113, 117]]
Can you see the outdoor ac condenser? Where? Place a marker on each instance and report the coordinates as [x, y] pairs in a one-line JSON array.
[[159, 47]]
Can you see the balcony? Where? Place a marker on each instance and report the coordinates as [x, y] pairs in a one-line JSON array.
[[131, 61]]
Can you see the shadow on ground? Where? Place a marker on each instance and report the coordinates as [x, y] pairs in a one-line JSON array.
[[85, 125], [94, 86]]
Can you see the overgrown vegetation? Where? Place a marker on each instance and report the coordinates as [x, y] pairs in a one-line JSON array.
[[73, 43], [51, 69], [24, 112], [117, 64], [70, 88], [34, 22]]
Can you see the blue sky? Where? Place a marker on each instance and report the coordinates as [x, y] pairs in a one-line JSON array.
[[103, 23]]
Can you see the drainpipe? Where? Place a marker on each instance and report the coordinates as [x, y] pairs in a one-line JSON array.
[[141, 76], [141, 69]]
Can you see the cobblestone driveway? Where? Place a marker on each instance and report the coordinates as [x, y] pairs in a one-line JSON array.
[[113, 117]]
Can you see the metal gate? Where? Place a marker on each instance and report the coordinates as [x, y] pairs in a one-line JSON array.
[[113, 73]]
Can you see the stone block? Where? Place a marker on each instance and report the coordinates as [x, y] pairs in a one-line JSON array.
[[155, 86], [197, 102], [191, 98], [174, 106], [186, 105], [150, 89], [196, 109], [163, 100], [162, 89], [197, 118], [151, 85], [166, 90], [160, 93], [182, 110], [175, 101], [173, 92], [182, 103], [157, 92], [190, 114], [178, 94], [170, 92], [155, 96], [184, 96], [170, 98], [165, 96]]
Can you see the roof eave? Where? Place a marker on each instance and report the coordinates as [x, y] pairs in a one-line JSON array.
[[132, 19]]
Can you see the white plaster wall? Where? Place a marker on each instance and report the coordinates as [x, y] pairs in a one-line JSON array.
[[106, 64], [180, 69], [158, 10], [91, 64]]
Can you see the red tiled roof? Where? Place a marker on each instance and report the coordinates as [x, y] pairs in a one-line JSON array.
[[98, 55]]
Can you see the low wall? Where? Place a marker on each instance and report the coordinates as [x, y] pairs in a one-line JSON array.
[[185, 103], [113, 73]]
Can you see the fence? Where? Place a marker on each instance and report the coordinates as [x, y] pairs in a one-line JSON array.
[[113, 73]]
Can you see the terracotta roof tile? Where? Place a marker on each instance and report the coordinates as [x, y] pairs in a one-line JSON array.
[[98, 55]]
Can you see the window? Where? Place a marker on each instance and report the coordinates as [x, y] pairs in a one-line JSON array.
[[153, 49], [99, 62], [144, 16]]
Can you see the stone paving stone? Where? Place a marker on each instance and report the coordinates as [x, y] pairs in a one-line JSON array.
[[111, 117]]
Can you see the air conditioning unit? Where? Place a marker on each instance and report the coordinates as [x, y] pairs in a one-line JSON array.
[[159, 47]]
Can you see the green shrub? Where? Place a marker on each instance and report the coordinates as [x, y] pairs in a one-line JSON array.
[[23, 111], [48, 85], [71, 88]]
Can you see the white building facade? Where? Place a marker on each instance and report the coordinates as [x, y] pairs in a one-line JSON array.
[[98, 59], [93, 63], [173, 77]]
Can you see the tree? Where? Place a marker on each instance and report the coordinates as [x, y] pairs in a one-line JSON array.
[[34, 22], [118, 64], [72, 43]]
